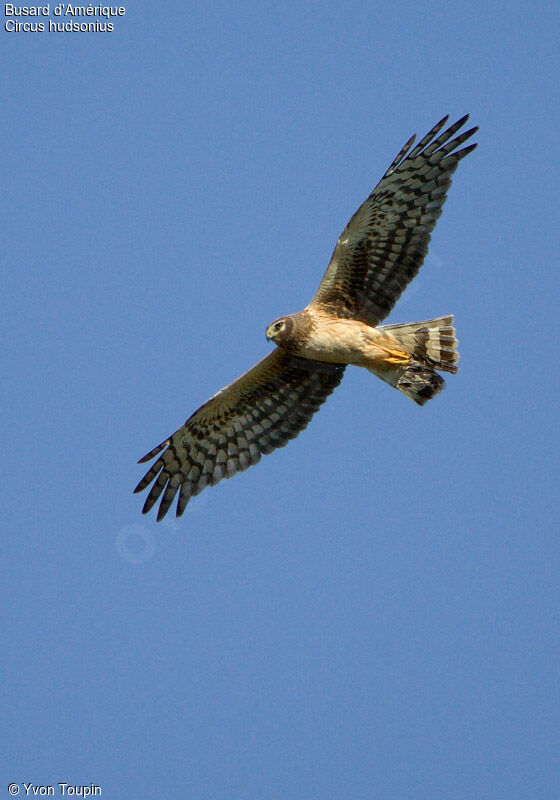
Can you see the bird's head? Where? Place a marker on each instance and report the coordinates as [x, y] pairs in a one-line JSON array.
[[280, 331]]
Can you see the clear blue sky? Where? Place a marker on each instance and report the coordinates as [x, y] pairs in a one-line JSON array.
[[371, 612]]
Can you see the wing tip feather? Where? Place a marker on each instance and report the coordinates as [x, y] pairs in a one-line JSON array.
[[465, 150], [162, 511], [153, 453]]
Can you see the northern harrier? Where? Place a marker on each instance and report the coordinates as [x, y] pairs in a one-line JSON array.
[[377, 255]]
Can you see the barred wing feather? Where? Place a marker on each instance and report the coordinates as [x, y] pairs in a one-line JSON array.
[[385, 243], [260, 411]]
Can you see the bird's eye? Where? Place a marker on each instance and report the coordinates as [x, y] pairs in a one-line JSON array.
[[279, 325]]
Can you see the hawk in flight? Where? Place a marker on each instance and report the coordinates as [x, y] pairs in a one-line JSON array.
[[377, 255]]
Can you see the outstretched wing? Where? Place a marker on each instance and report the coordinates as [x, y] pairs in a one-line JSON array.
[[384, 244], [260, 411]]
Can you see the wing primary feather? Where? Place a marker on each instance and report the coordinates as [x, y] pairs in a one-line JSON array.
[[442, 138], [399, 157], [153, 453], [465, 151], [184, 497], [449, 150], [170, 491], [152, 473], [428, 137], [155, 491]]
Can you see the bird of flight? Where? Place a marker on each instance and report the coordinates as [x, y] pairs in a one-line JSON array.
[[376, 256]]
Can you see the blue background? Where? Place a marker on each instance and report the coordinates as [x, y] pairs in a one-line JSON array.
[[373, 610]]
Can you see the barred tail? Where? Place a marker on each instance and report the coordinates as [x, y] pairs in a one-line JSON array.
[[431, 345], [432, 342], [420, 383]]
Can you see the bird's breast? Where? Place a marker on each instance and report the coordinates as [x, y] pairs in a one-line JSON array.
[[336, 340]]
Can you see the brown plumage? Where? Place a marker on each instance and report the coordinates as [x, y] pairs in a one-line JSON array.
[[376, 256]]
